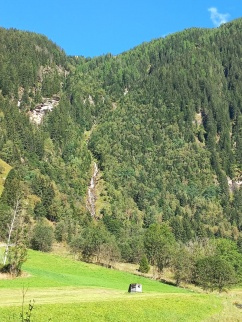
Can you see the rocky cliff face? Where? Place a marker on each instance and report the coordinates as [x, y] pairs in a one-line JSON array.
[[37, 114]]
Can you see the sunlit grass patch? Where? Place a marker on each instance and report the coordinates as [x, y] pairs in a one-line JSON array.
[[67, 290], [4, 170], [168, 308], [49, 270]]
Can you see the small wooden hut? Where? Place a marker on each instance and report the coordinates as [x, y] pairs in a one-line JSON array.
[[135, 288]]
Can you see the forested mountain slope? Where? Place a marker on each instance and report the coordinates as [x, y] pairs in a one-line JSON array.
[[162, 121], [52, 185], [172, 136]]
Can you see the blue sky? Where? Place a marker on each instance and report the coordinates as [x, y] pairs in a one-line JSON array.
[[96, 27]]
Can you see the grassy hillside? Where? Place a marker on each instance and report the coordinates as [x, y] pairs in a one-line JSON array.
[[48, 270], [4, 170], [66, 290]]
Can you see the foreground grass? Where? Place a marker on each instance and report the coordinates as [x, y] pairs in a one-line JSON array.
[[131, 308], [66, 290]]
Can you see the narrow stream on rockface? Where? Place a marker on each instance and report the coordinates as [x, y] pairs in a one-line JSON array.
[[91, 198]]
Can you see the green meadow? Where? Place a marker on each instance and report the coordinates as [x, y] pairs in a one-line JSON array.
[[67, 290]]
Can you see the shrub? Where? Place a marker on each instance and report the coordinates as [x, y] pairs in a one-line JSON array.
[[42, 237], [214, 273], [144, 265]]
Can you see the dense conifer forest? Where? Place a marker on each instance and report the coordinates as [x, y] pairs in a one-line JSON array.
[[160, 126]]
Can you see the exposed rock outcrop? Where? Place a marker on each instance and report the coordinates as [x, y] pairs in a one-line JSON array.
[[37, 114]]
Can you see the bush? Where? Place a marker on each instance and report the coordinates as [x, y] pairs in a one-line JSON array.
[[214, 273], [42, 237], [144, 265]]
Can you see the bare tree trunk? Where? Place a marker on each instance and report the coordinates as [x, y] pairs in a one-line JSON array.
[[11, 227]]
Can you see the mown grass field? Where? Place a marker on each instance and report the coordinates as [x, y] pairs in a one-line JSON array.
[[66, 290]]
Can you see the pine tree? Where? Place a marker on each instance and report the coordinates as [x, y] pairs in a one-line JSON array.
[[144, 265]]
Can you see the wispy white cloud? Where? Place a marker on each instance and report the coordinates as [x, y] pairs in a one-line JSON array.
[[217, 17]]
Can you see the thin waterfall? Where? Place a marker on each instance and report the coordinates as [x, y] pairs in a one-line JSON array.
[[91, 198]]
